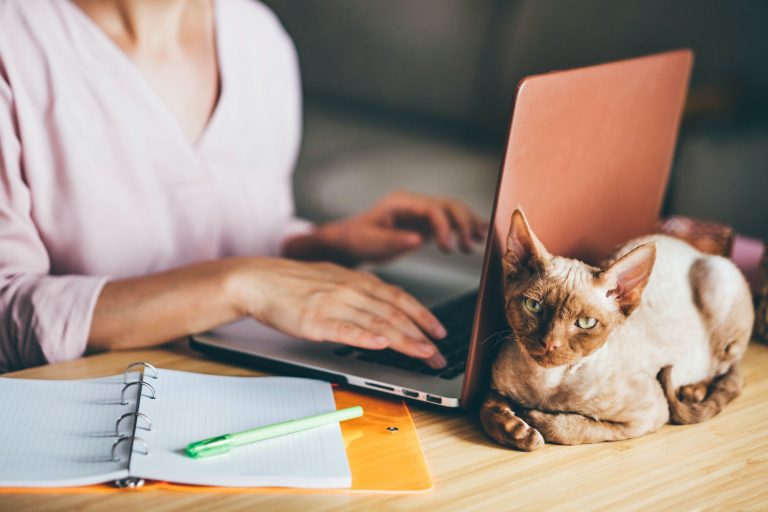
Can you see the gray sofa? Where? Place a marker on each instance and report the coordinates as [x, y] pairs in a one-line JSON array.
[[416, 94]]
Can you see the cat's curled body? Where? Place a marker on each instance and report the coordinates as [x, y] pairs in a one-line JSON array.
[[600, 354]]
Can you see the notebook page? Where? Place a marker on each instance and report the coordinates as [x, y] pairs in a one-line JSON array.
[[191, 407], [60, 433]]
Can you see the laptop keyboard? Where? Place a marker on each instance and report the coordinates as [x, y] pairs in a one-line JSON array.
[[456, 315]]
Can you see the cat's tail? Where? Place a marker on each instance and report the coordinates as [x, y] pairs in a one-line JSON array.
[[722, 390]]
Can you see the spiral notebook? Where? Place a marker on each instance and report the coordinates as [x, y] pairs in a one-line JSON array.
[[134, 426]]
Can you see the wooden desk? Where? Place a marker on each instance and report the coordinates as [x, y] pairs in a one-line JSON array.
[[721, 464]]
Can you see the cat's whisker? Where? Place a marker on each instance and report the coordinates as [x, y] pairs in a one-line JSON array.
[[497, 337], [501, 339]]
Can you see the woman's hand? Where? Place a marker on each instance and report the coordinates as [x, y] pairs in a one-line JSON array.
[[325, 302], [399, 223], [315, 301]]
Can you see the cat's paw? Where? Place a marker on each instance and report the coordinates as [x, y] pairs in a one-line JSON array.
[[506, 428], [521, 435], [544, 423], [693, 393], [516, 433], [535, 418], [528, 438]]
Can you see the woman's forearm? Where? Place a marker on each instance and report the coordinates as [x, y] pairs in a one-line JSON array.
[[149, 310]]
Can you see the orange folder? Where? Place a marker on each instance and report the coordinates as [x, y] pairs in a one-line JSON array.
[[383, 449]]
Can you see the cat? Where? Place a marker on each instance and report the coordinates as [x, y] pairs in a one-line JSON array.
[[599, 354]]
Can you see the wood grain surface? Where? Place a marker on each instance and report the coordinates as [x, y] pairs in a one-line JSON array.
[[718, 465]]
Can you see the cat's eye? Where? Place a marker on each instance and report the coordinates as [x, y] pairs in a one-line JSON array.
[[532, 305], [586, 322]]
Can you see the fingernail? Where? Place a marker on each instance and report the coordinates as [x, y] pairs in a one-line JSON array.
[[427, 348], [437, 361], [438, 330], [381, 341]]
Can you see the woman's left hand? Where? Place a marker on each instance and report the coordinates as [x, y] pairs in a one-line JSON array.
[[399, 223]]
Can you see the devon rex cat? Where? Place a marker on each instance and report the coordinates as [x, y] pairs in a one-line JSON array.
[[588, 344]]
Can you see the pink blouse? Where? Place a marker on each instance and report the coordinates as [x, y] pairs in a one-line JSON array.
[[99, 181]]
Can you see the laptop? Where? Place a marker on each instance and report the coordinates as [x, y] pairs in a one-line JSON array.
[[588, 157]]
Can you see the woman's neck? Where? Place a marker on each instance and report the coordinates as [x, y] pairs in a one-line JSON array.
[[173, 45], [148, 24]]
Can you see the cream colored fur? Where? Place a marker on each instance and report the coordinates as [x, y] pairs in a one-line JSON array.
[[695, 315]]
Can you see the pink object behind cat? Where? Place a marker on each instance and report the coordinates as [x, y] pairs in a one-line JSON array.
[[746, 255]]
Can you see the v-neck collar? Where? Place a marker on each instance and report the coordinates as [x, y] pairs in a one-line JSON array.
[[151, 93]]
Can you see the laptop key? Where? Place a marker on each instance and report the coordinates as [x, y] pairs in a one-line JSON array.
[[411, 365]]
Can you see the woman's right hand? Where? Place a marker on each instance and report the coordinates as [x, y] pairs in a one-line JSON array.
[[326, 302]]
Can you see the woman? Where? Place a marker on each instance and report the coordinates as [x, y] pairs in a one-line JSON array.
[[146, 148]]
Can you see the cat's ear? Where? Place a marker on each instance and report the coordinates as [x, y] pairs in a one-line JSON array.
[[625, 279], [524, 250]]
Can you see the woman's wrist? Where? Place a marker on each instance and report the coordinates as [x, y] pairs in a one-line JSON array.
[[242, 286], [250, 284]]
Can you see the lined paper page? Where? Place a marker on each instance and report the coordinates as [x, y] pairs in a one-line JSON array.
[[191, 407], [59, 433]]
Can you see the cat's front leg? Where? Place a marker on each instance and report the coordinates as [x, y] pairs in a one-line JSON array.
[[506, 428], [644, 411], [571, 428]]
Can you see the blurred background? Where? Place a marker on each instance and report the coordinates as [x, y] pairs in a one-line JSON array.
[[416, 94]]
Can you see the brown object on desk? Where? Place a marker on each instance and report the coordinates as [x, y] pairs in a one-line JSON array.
[[708, 237], [761, 318], [719, 465]]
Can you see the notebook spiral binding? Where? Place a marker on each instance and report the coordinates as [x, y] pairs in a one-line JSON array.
[[133, 441]]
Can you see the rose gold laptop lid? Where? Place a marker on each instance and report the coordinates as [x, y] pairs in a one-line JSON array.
[[588, 158]]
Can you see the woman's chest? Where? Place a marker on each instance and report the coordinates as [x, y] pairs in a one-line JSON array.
[[122, 192]]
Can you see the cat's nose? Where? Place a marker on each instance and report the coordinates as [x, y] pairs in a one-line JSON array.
[[551, 345]]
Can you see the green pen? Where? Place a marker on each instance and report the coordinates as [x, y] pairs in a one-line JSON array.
[[223, 444]]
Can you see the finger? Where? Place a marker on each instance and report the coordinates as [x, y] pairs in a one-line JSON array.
[[406, 303], [462, 219], [344, 331], [437, 361], [389, 323], [480, 228], [441, 226], [394, 318], [415, 346]]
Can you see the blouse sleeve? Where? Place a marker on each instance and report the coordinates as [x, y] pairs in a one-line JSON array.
[[43, 318]]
